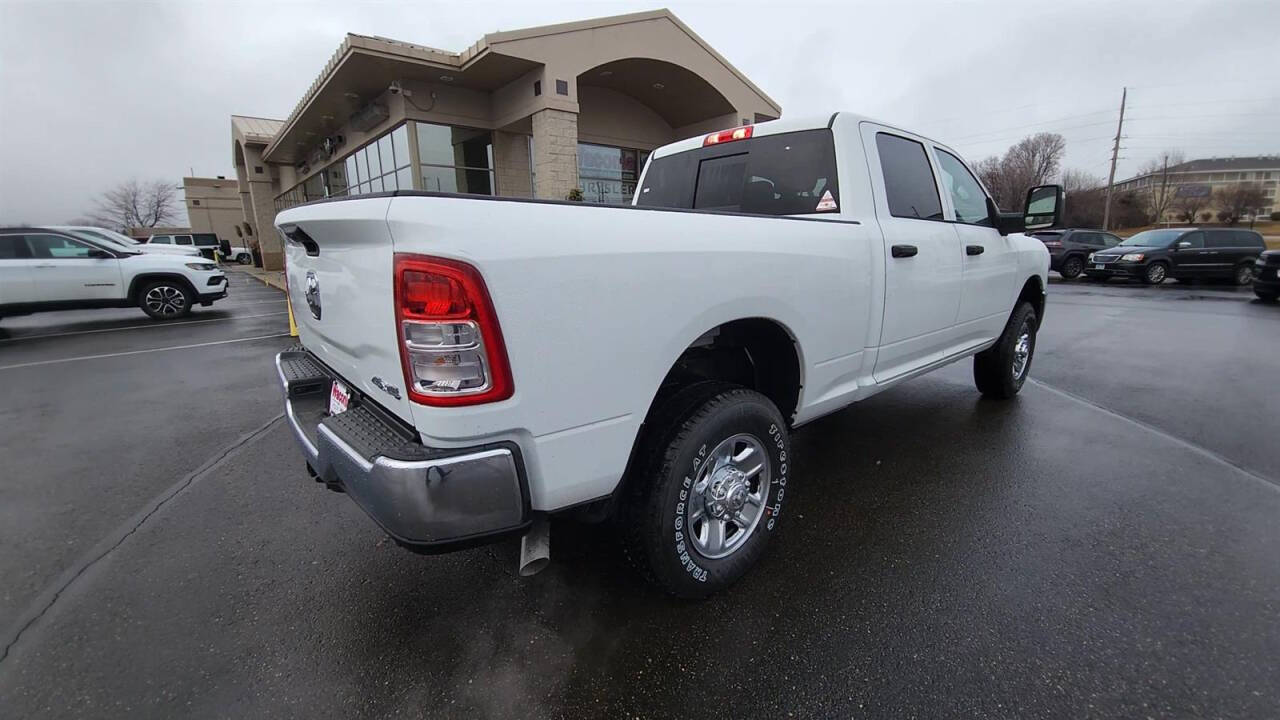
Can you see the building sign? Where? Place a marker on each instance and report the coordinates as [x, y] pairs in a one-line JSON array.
[[1193, 191]]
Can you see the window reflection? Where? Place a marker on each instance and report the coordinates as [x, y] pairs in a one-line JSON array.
[[608, 174]]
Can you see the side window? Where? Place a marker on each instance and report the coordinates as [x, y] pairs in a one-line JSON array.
[[1196, 239], [57, 247], [967, 196], [1250, 240], [1109, 240], [13, 247], [1220, 239], [1086, 238], [160, 240], [910, 188], [181, 239]]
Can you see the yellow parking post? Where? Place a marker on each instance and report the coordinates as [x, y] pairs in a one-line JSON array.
[[293, 327]]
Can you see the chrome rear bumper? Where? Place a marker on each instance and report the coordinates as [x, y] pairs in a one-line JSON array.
[[427, 499]]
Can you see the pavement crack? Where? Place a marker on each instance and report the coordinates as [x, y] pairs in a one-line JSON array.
[[50, 597]]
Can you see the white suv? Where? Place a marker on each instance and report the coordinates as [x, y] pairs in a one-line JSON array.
[[45, 269], [97, 234]]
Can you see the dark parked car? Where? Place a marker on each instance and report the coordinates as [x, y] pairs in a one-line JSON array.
[[1189, 253], [1069, 248], [1266, 275]]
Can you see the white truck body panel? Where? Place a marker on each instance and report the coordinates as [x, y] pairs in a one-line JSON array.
[[597, 303]]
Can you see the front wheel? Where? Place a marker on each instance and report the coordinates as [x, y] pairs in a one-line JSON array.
[[245, 260], [1155, 273], [1000, 370], [1243, 275], [1071, 268], [165, 299], [707, 489]]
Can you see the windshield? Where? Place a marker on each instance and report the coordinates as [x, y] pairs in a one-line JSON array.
[[105, 240], [113, 236], [1151, 238]]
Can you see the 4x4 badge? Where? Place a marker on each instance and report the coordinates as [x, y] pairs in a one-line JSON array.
[[391, 390]]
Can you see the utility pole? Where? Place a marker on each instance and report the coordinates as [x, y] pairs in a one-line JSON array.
[[1115, 153]]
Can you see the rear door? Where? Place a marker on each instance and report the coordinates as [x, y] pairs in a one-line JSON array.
[[63, 270], [923, 256], [15, 271], [1224, 251], [990, 262], [340, 274]]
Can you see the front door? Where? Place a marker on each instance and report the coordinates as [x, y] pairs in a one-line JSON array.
[[63, 270], [923, 259], [990, 261], [1190, 257]]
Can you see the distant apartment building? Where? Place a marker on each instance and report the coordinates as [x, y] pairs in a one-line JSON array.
[[1200, 178]]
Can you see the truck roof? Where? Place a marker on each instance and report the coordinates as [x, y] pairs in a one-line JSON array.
[[773, 127]]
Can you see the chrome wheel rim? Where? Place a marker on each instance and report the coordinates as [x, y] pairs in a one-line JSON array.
[[165, 300], [1156, 273], [1021, 353], [1244, 276], [727, 500]]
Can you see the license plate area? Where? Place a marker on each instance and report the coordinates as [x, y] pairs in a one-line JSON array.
[[339, 398]]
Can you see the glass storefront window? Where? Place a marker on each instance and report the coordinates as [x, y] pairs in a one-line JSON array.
[[455, 159], [608, 174]]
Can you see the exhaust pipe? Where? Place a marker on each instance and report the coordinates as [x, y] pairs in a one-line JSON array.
[[535, 547]]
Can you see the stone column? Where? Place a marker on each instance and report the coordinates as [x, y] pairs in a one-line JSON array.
[[555, 153], [511, 161]]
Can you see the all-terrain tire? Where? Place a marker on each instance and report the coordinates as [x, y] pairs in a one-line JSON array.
[[997, 371]]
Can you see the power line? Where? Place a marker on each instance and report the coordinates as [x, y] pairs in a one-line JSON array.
[[1043, 122]]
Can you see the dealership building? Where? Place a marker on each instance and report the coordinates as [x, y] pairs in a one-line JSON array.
[[543, 112]]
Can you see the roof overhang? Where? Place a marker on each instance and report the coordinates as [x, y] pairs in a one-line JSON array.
[[364, 68]]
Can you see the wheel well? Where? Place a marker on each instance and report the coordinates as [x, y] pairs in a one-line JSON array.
[[757, 353], [136, 285], [1033, 292]]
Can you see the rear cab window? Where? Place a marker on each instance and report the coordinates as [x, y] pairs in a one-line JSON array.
[[784, 174], [181, 239]]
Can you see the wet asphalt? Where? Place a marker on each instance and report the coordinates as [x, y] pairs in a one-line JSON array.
[[1108, 544]]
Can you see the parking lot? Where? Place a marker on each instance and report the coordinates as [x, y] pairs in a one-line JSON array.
[[1107, 544]]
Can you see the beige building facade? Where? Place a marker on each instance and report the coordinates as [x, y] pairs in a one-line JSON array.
[[1202, 178], [546, 112], [213, 206]]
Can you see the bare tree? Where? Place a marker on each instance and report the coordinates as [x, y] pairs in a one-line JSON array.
[[1160, 193], [1237, 199], [1086, 197], [1034, 160], [137, 204], [1189, 201]]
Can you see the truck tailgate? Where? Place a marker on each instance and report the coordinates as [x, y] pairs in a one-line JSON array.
[[340, 273]]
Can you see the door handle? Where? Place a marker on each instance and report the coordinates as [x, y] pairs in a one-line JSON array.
[[974, 249], [904, 251]]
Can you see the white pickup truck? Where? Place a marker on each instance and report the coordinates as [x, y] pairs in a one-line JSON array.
[[471, 365]]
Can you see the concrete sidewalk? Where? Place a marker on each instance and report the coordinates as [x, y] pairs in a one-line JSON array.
[[272, 278]]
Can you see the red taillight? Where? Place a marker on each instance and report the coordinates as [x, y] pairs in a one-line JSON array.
[[738, 133], [450, 343]]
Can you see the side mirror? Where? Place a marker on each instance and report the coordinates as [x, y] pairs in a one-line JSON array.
[[1183, 244], [97, 254], [1044, 207]]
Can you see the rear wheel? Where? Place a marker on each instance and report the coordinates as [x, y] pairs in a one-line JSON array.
[[165, 299], [707, 488], [1243, 274], [1155, 273], [1000, 370], [245, 260], [1072, 267]]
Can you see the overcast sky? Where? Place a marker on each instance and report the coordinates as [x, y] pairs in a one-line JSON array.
[[93, 93]]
